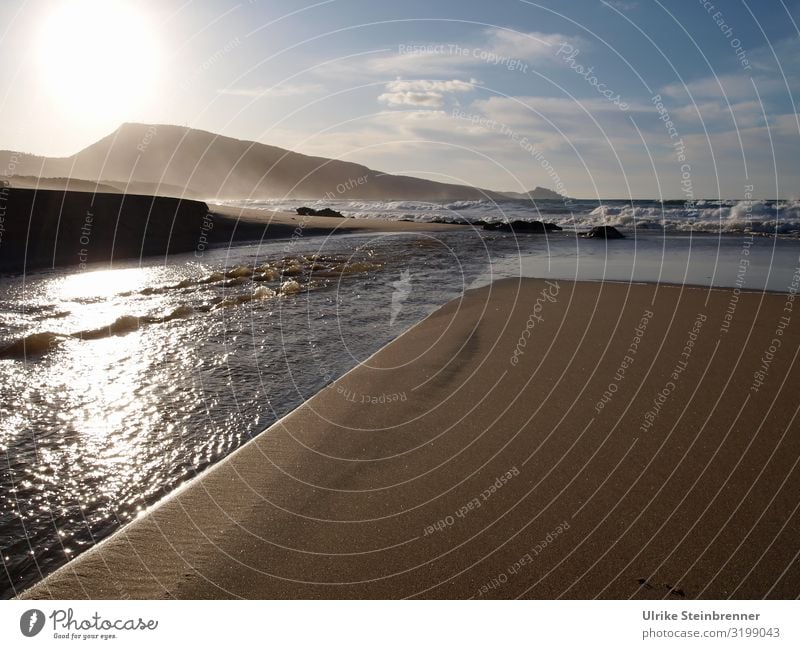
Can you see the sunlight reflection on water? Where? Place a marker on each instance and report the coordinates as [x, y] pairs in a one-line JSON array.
[[160, 371]]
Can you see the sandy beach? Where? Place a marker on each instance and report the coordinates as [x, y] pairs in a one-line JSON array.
[[531, 439]]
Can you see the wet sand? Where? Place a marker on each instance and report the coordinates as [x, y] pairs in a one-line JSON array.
[[531, 439]]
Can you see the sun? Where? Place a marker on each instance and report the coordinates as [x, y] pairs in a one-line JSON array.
[[99, 59]]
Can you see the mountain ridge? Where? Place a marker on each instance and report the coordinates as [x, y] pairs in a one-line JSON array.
[[214, 166]]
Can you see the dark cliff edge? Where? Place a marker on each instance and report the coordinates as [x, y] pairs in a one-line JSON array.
[[47, 228]]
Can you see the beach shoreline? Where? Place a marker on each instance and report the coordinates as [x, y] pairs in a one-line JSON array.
[[510, 445], [51, 228]]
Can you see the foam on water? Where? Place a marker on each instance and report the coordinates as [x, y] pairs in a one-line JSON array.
[[313, 272], [762, 216], [765, 217]]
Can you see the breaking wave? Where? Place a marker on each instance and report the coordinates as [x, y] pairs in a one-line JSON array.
[[706, 215], [767, 217]]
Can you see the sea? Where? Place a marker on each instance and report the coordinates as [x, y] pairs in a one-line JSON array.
[[780, 217], [121, 382]]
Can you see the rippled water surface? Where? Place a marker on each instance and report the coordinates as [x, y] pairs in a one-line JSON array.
[[119, 385]]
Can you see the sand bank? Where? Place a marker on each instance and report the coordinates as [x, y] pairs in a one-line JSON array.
[[531, 439]]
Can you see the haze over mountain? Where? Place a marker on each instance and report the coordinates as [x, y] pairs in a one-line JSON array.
[[174, 160]]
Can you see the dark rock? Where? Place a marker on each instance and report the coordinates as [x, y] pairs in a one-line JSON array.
[[326, 211], [604, 232], [329, 212], [535, 227], [31, 345], [42, 228]]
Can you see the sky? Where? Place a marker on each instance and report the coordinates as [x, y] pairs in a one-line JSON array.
[[678, 99]]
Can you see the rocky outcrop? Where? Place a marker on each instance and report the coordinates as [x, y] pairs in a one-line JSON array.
[[326, 211], [45, 228], [527, 227], [604, 232]]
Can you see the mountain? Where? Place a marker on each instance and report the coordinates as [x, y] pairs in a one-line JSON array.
[[170, 160]]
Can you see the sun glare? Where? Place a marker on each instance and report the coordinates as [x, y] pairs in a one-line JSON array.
[[99, 58]]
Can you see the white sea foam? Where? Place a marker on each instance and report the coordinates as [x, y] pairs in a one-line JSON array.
[[707, 215]]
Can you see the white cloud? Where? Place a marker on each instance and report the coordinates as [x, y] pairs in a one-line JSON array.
[[422, 92], [730, 86], [278, 90], [785, 126], [620, 4], [716, 114], [495, 48], [589, 117], [428, 85], [530, 46], [766, 76], [432, 99]]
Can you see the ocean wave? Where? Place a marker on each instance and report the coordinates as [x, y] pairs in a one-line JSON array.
[[465, 205], [704, 215]]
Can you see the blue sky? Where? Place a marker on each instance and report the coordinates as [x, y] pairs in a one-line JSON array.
[[504, 94]]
